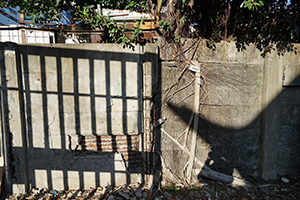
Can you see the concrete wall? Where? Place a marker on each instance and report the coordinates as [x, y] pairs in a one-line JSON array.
[[288, 161], [72, 116], [79, 116], [249, 109]]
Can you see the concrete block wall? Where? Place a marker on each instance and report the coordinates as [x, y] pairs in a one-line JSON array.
[[289, 132], [77, 115], [288, 161], [248, 114]]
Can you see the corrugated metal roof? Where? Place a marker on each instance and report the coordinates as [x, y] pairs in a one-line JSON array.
[[9, 16]]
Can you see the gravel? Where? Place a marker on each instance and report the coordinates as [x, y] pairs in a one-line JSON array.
[[287, 187]]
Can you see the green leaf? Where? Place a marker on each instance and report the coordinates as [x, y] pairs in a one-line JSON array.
[[57, 2], [261, 3], [182, 19]]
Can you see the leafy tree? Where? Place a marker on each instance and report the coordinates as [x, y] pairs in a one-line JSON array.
[[244, 21], [49, 10], [84, 11], [260, 21]]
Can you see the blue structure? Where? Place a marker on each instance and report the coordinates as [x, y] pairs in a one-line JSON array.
[[9, 16], [66, 17]]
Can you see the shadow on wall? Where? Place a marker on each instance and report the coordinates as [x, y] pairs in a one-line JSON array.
[[71, 117], [237, 151], [230, 149], [81, 112]]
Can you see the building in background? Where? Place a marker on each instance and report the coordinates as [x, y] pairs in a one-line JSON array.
[[15, 27], [9, 16]]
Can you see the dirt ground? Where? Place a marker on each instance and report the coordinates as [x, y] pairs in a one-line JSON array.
[[287, 187]]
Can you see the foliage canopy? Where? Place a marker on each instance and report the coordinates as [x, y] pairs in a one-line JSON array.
[[49, 10], [244, 21]]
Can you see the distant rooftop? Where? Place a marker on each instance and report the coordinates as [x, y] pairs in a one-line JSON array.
[[10, 16]]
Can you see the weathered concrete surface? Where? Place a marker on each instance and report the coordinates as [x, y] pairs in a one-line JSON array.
[[69, 91], [93, 83], [230, 124], [272, 87], [248, 126], [241, 129], [11, 127], [151, 85], [288, 161], [289, 136]]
